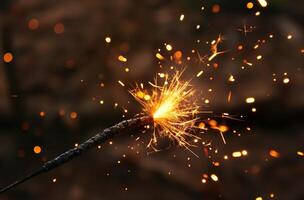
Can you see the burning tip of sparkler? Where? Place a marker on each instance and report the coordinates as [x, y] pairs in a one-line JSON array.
[[173, 107]]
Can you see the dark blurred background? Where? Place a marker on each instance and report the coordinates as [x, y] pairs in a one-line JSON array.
[[59, 86]]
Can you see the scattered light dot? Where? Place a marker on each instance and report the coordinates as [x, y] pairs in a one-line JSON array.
[[231, 78], [259, 198], [259, 57], [214, 177], [249, 5], [37, 149], [101, 102], [204, 180], [289, 37], [73, 115], [222, 128], [286, 80], [169, 47], [263, 3], [253, 109], [122, 58], [33, 24], [8, 57], [177, 55], [250, 100], [199, 73], [41, 113], [54, 180], [274, 153], [159, 56], [147, 97], [244, 153], [300, 153], [216, 8], [59, 28], [181, 18], [121, 83], [108, 39], [236, 154]]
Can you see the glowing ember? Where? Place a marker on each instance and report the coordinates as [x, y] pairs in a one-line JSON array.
[[249, 5], [250, 100], [214, 48], [37, 149], [274, 153], [159, 56], [181, 18], [108, 39], [122, 58], [8, 57], [236, 154], [214, 177], [286, 80], [173, 108], [169, 47], [263, 3]]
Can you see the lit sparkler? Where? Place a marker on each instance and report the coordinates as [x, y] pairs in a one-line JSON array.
[[171, 108]]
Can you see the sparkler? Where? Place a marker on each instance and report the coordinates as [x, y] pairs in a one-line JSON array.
[[171, 109]]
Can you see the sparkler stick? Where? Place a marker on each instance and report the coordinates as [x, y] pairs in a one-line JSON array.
[[131, 124]]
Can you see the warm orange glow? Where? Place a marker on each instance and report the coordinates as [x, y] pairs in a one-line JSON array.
[[249, 5], [42, 113], [59, 28], [73, 115], [216, 8], [274, 153], [159, 56], [37, 149], [33, 24], [178, 55], [122, 58], [8, 57]]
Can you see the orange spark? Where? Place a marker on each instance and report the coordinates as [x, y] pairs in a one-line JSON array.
[[214, 48]]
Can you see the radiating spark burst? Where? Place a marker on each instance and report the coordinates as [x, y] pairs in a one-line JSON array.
[[214, 48], [173, 107]]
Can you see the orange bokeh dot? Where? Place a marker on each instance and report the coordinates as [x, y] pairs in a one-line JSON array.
[[8, 57], [59, 28], [249, 5], [178, 55], [42, 113], [216, 8], [73, 115], [37, 149], [33, 24], [240, 47]]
